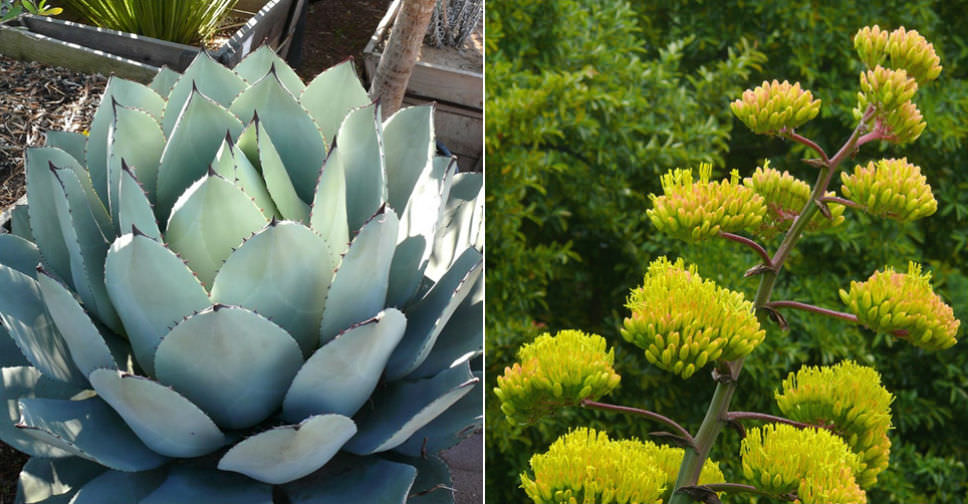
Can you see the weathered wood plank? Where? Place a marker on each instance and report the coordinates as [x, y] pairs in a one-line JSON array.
[[26, 46], [267, 26]]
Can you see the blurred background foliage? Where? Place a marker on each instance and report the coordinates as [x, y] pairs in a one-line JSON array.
[[589, 101]]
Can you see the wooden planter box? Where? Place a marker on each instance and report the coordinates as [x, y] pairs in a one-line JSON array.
[[99, 50], [458, 93]]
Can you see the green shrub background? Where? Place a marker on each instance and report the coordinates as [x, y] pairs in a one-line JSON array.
[[588, 101]]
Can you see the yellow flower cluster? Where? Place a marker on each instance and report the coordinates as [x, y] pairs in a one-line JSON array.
[[780, 459], [683, 322], [850, 399], [906, 49], [886, 91], [554, 372], [586, 467], [693, 210], [774, 106], [903, 304], [892, 188], [785, 197]]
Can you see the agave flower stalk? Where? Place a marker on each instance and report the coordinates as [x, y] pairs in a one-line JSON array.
[[240, 285]]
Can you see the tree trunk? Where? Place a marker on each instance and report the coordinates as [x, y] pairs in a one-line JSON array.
[[400, 54]]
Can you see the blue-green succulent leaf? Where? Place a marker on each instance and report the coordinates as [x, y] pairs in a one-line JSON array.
[[263, 60], [289, 452], [359, 289], [427, 318], [198, 133], [9, 351], [418, 226], [19, 254], [22, 312], [152, 289], [233, 164], [163, 419], [135, 206], [294, 133], [20, 223], [328, 214], [408, 139], [462, 338], [199, 231], [257, 361], [135, 139], [68, 141], [278, 182], [433, 484], [206, 76], [163, 81], [451, 427], [360, 153], [127, 94], [116, 487], [88, 429], [354, 479], [44, 223], [189, 484], [22, 382], [54, 481], [333, 94], [284, 273], [342, 374], [462, 223], [84, 340], [403, 407], [86, 245]]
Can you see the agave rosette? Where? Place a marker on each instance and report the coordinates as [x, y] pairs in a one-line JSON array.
[[239, 285]]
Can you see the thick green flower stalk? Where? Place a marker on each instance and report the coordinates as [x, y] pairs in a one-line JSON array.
[[850, 399], [555, 372], [785, 196], [780, 459], [684, 322], [586, 467], [774, 107], [694, 210], [891, 188], [907, 50], [241, 288], [905, 305]]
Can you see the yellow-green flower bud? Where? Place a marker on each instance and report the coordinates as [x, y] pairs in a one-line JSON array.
[[785, 197], [683, 321], [694, 210], [850, 399], [905, 305], [908, 50], [585, 466], [871, 45], [904, 124], [780, 459], [554, 372], [772, 107], [912, 52], [892, 188], [831, 486], [886, 89]]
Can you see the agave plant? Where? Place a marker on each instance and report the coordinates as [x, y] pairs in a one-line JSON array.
[[240, 288]]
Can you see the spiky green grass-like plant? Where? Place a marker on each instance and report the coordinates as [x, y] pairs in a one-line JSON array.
[[182, 21]]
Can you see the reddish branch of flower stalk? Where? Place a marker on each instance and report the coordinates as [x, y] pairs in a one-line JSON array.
[[796, 137], [841, 201], [850, 317], [751, 244], [712, 488], [588, 403], [753, 415]]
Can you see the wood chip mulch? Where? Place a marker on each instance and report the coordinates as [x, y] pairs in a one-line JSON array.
[[34, 99]]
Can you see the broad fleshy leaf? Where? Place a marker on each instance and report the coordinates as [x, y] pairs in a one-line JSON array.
[[461, 339], [206, 76], [134, 138], [24, 382], [289, 452], [116, 487], [192, 484], [278, 181], [163, 81], [257, 361], [333, 94], [461, 225], [343, 373], [359, 141], [152, 290], [353, 479], [328, 214], [164, 420], [19, 254], [51, 481], [264, 60], [451, 427], [85, 342], [135, 209], [69, 142], [283, 273]]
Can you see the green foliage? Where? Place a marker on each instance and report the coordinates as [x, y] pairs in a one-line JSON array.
[[182, 21], [11, 9], [593, 211]]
